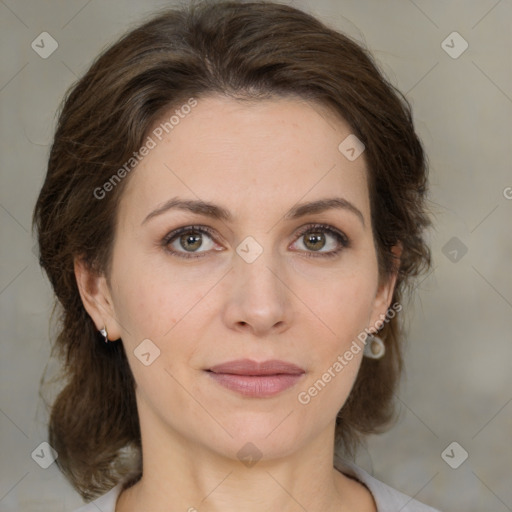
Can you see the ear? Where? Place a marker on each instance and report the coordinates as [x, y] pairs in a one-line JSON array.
[[385, 291], [96, 298]]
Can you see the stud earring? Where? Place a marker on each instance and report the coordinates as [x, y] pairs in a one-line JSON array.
[[104, 333], [374, 347]]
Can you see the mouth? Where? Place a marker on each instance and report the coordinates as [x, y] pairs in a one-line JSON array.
[[250, 367], [258, 380]]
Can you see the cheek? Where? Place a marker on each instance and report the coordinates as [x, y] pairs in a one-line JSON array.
[[157, 303], [322, 396], [341, 297], [346, 306], [146, 304]]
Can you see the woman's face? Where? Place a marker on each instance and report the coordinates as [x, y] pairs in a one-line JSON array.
[[260, 285]]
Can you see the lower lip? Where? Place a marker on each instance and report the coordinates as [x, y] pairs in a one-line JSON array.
[[259, 386]]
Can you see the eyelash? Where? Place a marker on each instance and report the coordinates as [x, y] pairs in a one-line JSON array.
[[340, 237]]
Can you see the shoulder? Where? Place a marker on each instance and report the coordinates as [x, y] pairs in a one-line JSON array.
[[105, 503], [386, 498]]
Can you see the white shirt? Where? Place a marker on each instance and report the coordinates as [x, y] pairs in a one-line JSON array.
[[386, 498]]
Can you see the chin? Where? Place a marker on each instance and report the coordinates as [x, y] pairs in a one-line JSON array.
[[268, 436]]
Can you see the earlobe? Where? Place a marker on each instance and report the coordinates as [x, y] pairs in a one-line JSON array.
[[96, 298]]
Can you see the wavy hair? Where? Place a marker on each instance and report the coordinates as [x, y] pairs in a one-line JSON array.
[[248, 50]]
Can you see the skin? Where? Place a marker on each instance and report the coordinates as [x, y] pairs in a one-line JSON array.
[[257, 159]]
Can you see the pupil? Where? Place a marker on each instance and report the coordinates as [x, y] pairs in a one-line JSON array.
[[314, 239]]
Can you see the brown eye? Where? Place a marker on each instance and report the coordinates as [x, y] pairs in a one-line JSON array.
[[191, 241], [316, 237], [185, 242], [314, 241]]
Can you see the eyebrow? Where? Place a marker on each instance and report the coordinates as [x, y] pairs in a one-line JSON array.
[[218, 212]]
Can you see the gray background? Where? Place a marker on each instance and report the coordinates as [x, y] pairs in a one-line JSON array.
[[458, 382]]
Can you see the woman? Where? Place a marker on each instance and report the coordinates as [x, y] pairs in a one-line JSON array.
[[233, 208]]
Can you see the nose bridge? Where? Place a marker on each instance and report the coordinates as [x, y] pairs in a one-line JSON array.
[[259, 297], [257, 268]]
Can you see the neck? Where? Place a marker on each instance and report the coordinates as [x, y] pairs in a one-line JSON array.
[[182, 474]]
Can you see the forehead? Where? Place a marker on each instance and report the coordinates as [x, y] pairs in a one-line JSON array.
[[246, 154]]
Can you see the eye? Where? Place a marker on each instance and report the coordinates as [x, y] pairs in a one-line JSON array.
[[189, 238], [313, 238], [184, 242]]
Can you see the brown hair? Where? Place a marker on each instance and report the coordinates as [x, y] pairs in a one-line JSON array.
[[244, 50]]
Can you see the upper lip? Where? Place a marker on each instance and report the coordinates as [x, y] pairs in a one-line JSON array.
[[250, 367]]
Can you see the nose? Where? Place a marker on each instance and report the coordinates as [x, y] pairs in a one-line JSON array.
[[258, 299]]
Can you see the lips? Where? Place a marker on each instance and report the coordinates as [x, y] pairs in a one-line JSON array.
[[249, 367], [257, 380]]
